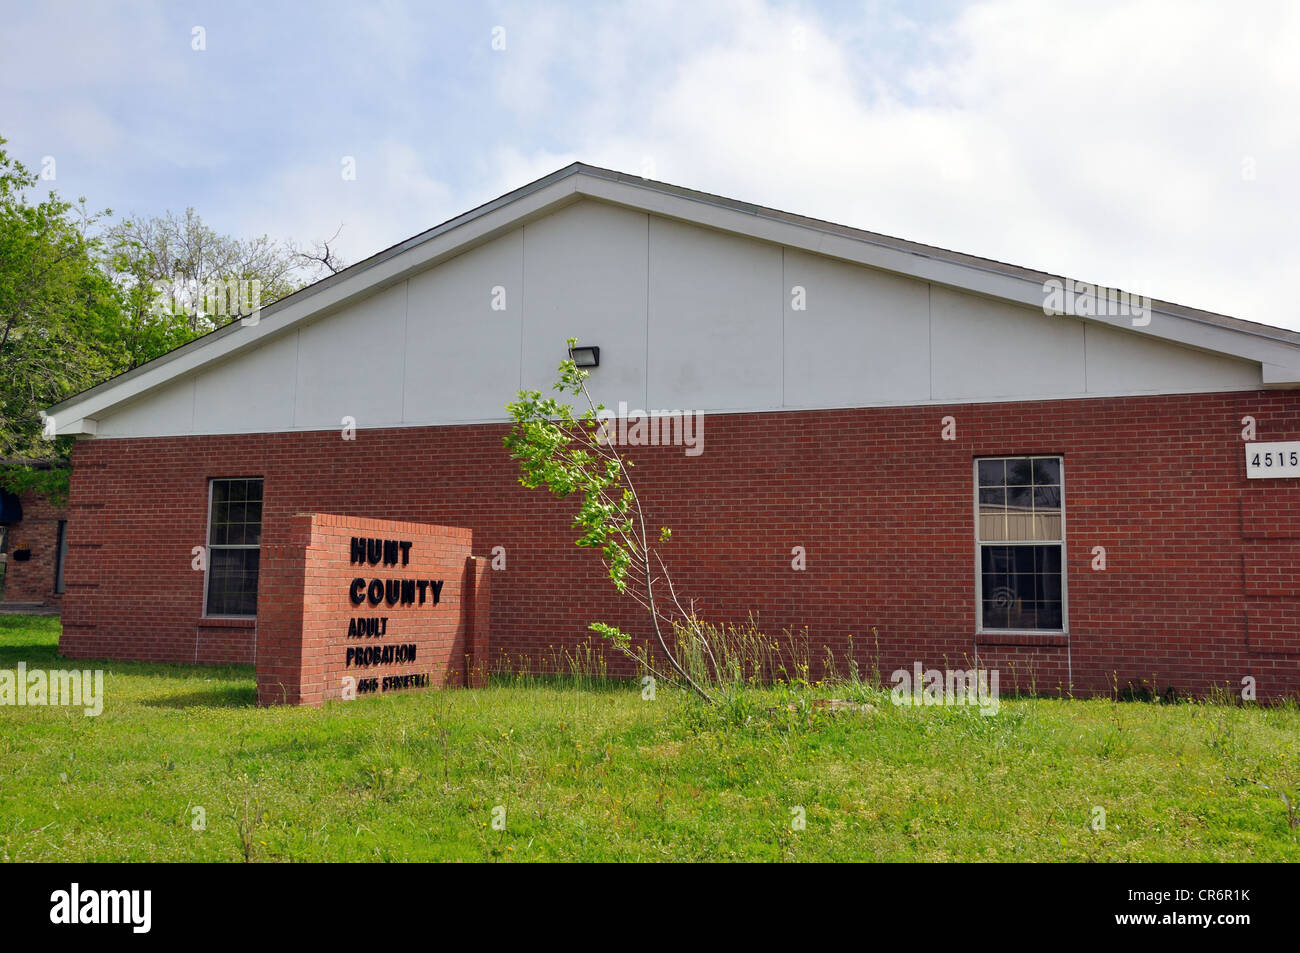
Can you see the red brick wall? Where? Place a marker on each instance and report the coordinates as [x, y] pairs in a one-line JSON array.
[[478, 586], [305, 607], [32, 581], [881, 504]]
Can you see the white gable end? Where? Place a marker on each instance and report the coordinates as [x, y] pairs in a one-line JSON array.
[[689, 315]]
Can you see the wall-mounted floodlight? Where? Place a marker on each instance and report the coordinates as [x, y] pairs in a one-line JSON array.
[[585, 356]]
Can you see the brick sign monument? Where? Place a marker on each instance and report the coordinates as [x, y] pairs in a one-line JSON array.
[[350, 608]]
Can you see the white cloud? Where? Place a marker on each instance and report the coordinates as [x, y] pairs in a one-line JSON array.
[[1107, 141], [392, 197], [1106, 144]]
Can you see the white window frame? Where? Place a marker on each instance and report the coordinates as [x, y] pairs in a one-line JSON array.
[[207, 548], [980, 544]]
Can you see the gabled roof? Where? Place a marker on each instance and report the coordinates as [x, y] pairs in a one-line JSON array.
[[1275, 349]]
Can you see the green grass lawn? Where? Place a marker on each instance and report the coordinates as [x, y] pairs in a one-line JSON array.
[[596, 773]]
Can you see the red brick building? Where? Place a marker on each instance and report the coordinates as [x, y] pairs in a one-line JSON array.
[[969, 459], [33, 544]]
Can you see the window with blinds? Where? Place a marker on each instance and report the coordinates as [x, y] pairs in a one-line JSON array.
[[1020, 544]]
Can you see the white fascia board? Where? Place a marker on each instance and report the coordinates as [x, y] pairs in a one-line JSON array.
[[1283, 357], [1282, 378], [238, 337], [85, 427]]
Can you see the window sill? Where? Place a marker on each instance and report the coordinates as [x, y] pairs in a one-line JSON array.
[[228, 621], [1042, 639]]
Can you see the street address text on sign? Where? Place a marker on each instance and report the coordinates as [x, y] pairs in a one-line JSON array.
[[1266, 461]]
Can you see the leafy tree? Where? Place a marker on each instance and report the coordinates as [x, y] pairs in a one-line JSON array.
[[177, 261], [56, 307], [190, 263], [143, 330], [573, 456], [47, 478]]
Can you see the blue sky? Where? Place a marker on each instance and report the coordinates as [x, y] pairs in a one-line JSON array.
[[1147, 145]]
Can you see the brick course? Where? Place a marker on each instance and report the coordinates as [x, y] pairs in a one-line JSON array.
[[883, 507]]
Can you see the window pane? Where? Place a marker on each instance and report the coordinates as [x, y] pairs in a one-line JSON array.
[[60, 557], [1047, 498], [1020, 472], [1021, 587], [1046, 526], [1049, 616], [992, 472], [232, 582], [1047, 470]]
